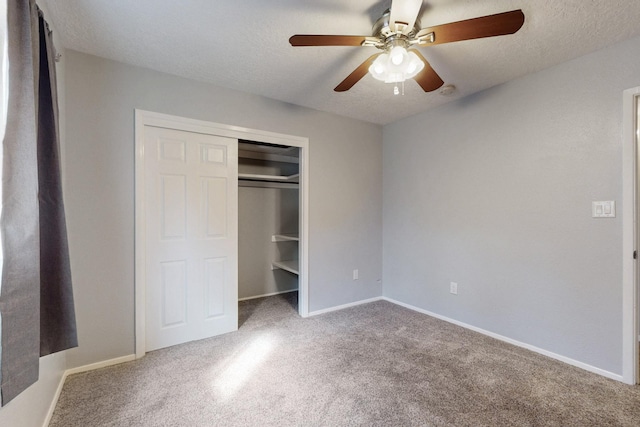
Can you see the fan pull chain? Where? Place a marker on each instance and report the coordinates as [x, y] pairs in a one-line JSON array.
[[396, 89]]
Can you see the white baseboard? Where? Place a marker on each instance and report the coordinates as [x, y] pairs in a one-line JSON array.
[[342, 307], [79, 369], [530, 347], [103, 364], [54, 401], [267, 295]]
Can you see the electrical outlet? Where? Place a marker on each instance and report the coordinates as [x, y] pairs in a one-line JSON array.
[[355, 274], [453, 288]]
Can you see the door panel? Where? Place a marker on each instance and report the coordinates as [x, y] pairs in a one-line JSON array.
[[191, 200], [173, 208], [173, 288], [214, 213], [214, 279]]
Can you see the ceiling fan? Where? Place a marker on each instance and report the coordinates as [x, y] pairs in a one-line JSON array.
[[397, 33]]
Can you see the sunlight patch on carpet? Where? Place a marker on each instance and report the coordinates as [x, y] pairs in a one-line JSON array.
[[242, 365]]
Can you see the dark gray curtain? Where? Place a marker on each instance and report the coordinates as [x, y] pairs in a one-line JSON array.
[[20, 291], [57, 314], [36, 303]]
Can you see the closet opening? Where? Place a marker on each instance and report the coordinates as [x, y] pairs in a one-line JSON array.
[[195, 182], [269, 221]]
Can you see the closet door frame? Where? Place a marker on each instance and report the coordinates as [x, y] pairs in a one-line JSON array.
[[147, 118]]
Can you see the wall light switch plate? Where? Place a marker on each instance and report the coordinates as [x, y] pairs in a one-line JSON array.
[[604, 209], [453, 288]]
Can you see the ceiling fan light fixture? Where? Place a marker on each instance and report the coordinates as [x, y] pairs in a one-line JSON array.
[[413, 66], [396, 66], [397, 55], [377, 69]]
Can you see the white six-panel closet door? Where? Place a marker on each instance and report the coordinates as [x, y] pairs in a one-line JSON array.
[[191, 236]]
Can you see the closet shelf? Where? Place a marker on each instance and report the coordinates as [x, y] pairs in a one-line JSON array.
[[267, 184], [269, 178], [290, 266], [285, 238]]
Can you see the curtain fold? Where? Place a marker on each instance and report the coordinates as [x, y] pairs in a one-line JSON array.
[[57, 314], [35, 287]]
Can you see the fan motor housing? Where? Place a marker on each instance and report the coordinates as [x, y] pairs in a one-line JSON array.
[[382, 30]]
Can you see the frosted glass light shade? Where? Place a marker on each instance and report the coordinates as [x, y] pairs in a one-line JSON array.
[[396, 66]]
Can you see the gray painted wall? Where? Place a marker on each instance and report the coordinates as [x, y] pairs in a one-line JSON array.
[[345, 190], [494, 192]]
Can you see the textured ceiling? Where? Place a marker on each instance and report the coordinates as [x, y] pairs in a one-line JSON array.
[[243, 44]]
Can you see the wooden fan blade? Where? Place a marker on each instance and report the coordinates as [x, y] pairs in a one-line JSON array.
[[326, 40], [428, 79], [485, 26], [357, 74]]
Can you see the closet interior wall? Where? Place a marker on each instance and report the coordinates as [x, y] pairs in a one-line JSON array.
[[266, 210]]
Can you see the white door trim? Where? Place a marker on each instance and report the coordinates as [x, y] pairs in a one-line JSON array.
[[630, 213], [148, 118]]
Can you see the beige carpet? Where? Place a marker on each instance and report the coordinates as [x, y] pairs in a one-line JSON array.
[[373, 365]]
